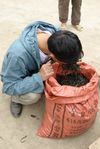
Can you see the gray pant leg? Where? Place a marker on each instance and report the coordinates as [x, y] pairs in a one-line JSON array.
[[26, 99], [63, 8], [76, 11]]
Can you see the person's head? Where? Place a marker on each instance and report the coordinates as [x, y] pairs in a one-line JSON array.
[[65, 46]]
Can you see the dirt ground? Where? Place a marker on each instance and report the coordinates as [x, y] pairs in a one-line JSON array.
[[14, 16]]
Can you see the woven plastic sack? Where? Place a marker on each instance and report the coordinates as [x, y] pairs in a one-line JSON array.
[[69, 110]]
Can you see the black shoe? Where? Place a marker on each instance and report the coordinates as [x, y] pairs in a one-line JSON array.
[[16, 109]]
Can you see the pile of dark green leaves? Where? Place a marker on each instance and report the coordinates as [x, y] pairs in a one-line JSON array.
[[72, 79], [75, 78]]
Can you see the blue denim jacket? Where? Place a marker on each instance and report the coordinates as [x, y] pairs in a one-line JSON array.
[[22, 62]]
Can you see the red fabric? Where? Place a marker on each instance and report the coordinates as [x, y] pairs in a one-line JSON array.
[[69, 110]]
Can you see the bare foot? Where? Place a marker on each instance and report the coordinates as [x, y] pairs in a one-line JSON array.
[[63, 26], [78, 27]]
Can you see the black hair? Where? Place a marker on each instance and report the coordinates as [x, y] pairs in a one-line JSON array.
[[66, 46]]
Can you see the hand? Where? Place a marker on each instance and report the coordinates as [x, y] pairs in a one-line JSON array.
[[46, 71]]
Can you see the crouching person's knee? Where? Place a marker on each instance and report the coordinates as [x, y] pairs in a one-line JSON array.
[[27, 99]]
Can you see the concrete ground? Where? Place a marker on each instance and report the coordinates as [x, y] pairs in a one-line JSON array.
[[14, 16]]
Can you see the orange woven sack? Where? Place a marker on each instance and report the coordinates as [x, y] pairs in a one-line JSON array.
[[69, 110]]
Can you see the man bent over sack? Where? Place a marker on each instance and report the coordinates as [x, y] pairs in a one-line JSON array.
[[24, 67]]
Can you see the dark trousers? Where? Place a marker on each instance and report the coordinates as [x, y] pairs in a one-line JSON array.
[[63, 7]]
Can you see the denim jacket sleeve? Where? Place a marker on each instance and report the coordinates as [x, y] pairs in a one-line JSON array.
[[15, 78]]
